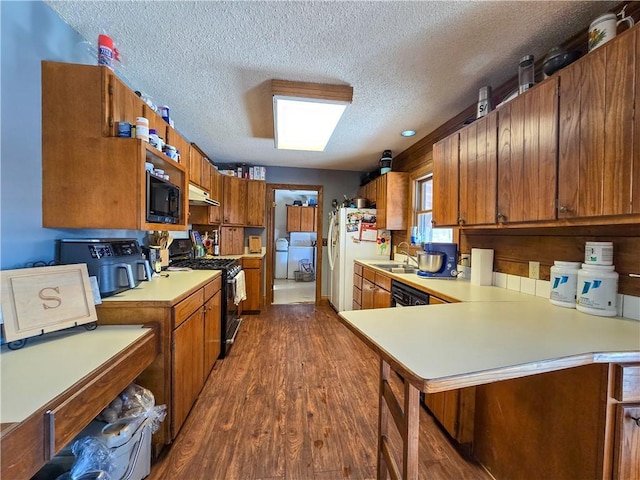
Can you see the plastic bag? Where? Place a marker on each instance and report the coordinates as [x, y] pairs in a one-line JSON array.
[[93, 461], [135, 401]]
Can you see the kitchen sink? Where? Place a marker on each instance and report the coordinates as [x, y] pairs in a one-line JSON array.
[[396, 268]]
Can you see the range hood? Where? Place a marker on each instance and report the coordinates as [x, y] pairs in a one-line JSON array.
[[197, 196]]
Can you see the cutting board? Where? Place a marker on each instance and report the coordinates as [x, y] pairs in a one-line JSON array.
[[255, 244]]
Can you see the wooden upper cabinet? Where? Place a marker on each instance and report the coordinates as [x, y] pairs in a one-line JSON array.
[[527, 146], [84, 164], [308, 219], [199, 168], [156, 122], [445, 181], [175, 139], [598, 171], [122, 104], [635, 175], [392, 195], [301, 219], [215, 213], [231, 240], [234, 203], [478, 171], [256, 196]]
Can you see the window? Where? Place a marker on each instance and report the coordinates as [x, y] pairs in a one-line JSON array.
[[423, 215]]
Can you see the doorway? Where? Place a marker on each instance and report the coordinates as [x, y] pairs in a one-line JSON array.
[[294, 247]]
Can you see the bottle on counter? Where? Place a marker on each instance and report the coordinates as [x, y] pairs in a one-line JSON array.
[[215, 238]]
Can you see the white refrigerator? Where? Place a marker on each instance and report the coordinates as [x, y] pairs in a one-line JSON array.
[[352, 236]]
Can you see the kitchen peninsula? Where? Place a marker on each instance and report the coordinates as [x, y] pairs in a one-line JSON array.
[[550, 381]]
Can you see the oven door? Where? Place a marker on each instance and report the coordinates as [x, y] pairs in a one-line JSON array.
[[232, 314]]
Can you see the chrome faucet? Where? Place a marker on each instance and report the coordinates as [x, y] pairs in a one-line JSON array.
[[406, 254]]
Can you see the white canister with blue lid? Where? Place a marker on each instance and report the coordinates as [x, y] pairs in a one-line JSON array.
[[597, 292], [564, 282]]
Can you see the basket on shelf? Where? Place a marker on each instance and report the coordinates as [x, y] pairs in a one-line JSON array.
[[305, 272]]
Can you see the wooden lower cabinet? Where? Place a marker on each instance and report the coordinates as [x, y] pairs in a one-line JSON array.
[[187, 360], [376, 289], [189, 344], [253, 271], [454, 410], [357, 287], [626, 464]]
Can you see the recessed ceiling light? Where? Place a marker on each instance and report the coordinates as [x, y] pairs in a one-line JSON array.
[[408, 133]]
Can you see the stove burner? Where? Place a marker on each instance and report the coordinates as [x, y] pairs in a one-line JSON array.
[[207, 263]]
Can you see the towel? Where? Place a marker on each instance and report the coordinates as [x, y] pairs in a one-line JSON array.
[[240, 292]]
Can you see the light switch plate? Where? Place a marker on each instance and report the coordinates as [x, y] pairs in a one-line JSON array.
[[534, 270]]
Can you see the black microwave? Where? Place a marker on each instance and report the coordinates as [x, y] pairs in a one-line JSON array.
[[163, 200]]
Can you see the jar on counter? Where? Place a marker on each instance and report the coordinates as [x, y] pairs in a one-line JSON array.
[[564, 283], [597, 292]]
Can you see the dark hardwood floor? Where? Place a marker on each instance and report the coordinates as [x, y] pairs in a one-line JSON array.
[[295, 399]]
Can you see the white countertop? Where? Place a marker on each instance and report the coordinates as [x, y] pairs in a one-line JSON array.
[[462, 344], [49, 365], [165, 288], [453, 289]]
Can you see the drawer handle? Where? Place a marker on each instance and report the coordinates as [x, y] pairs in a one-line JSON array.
[[636, 419]]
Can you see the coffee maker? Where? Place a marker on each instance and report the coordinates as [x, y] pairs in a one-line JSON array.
[[117, 263], [449, 261]]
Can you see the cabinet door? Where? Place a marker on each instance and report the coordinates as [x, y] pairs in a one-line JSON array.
[[123, 106], [382, 298], [635, 175], [187, 367], [231, 240], [293, 218], [253, 274], [256, 195], [597, 131], [381, 201], [195, 167], [182, 146], [215, 213], [156, 122], [627, 443], [307, 219], [527, 155], [233, 205], [212, 333], [478, 171], [445, 182], [368, 289]]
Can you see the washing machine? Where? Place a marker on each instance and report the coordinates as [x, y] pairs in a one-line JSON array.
[[282, 258]]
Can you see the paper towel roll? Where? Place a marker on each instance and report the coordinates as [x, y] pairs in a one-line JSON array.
[[481, 266]]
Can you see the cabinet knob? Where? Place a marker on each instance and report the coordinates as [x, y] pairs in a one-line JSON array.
[[461, 221], [433, 223], [637, 420], [563, 209], [501, 217]]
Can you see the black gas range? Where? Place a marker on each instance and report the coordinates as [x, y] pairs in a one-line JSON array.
[[181, 255]]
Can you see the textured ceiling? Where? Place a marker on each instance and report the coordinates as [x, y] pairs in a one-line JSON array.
[[412, 65]]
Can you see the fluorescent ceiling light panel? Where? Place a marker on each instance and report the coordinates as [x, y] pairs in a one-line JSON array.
[[305, 124], [305, 115]]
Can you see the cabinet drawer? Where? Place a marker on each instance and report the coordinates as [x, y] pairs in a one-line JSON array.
[[369, 274], [357, 295], [357, 281], [627, 383], [186, 307], [211, 288], [357, 269], [383, 282], [251, 262]]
